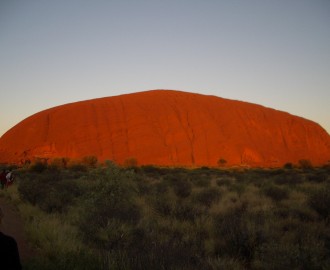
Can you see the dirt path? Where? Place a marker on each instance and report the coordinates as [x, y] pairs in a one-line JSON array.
[[12, 225]]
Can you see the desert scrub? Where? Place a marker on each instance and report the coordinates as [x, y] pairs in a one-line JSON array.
[[275, 193], [159, 218], [224, 181], [112, 209], [319, 200], [182, 188], [207, 196], [291, 178], [50, 190], [201, 180], [234, 236]]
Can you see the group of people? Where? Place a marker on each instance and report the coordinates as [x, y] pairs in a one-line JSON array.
[[6, 178]]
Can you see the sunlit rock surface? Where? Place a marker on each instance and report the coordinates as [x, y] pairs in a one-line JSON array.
[[171, 128]]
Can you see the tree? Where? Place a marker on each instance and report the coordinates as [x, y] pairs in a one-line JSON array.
[[305, 164], [222, 162]]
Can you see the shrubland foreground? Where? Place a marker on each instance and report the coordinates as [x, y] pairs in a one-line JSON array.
[[109, 217]]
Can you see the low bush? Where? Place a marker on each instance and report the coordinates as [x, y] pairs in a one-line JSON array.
[[201, 181], [224, 181], [293, 178], [233, 237], [49, 191], [38, 167], [276, 193], [112, 209], [207, 196], [319, 200], [182, 188], [318, 177]]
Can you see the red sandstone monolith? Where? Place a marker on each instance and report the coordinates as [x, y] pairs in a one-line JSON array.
[[167, 128]]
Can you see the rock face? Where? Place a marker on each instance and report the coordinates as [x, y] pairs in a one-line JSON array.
[[171, 128]]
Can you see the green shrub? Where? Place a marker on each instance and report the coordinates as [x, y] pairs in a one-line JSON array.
[[59, 163], [90, 161], [308, 253], [79, 260], [289, 179], [161, 188], [224, 181], [186, 211], [226, 263], [38, 167], [131, 163], [201, 181], [162, 205], [318, 177], [207, 196], [78, 167], [288, 166], [276, 193], [49, 191], [239, 188], [153, 171], [182, 188], [319, 200], [112, 210], [305, 164], [233, 237]]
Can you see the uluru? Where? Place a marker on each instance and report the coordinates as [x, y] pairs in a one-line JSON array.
[[167, 128]]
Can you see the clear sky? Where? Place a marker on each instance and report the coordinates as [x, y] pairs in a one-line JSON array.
[[271, 52]]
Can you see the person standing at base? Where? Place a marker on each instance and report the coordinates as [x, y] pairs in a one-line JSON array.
[[9, 178], [9, 255]]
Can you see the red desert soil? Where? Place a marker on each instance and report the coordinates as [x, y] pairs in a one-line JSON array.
[[165, 127], [13, 226]]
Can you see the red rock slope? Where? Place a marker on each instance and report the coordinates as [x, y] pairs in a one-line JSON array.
[[164, 127]]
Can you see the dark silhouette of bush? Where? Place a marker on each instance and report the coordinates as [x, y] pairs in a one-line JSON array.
[[305, 164], [144, 186], [318, 177], [319, 200], [186, 211], [59, 163], [50, 191], [239, 188], [288, 166], [200, 180], [162, 206], [78, 167], [112, 210], [221, 162], [292, 178], [38, 166], [182, 188], [153, 171], [131, 163], [207, 196], [305, 250], [90, 161], [161, 188], [233, 236], [224, 181], [276, 193]]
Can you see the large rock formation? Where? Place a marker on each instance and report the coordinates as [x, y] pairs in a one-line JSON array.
[[171, 128]]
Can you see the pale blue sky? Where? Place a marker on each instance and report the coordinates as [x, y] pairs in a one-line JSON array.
[[274, 53]]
